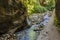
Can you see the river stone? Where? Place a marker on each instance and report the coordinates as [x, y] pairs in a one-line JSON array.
[[36, 18]]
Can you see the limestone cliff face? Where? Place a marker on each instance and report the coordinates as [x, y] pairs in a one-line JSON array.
[[12, 14]]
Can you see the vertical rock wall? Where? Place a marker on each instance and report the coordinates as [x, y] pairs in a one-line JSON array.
[[13, 14], [58, 11]]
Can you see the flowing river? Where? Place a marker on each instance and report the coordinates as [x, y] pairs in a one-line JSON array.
[[29, 34]]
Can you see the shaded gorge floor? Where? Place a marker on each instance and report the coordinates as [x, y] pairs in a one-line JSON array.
[[29, 34]]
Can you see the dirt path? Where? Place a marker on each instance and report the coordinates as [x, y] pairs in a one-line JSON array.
[[50, 32]]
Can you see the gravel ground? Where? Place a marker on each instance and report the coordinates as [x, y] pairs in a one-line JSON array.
[[49, 32]]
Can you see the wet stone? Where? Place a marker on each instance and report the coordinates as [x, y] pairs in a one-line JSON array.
[[8, 37]]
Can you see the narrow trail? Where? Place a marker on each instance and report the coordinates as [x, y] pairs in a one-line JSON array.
[[49, 32]]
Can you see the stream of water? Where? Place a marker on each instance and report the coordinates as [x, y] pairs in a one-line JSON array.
[[29, 34]]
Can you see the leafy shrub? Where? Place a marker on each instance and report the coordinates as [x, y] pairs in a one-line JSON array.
[[50, 5], [39, 9], [56, 21], [56, 24], [34, 6]]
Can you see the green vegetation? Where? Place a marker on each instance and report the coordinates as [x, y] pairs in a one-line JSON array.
[[39, 9], [56, 21], [50, 4], [34, 6]]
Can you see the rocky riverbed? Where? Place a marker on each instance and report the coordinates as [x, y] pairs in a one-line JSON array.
[[29, 34]]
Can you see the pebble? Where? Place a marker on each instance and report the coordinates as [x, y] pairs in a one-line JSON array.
[[8, 37]]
